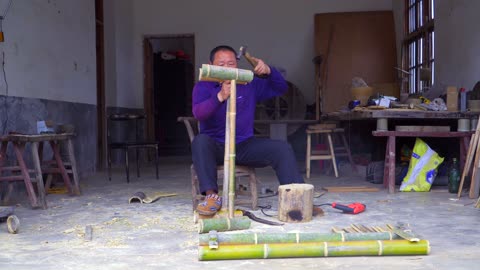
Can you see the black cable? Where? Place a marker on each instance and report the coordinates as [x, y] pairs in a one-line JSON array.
[[266, 207], [323, 204], [5, 104]]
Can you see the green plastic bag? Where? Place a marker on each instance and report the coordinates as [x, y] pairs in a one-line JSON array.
[[422, 168]]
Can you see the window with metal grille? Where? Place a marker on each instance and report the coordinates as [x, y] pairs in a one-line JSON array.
[[418, 45]]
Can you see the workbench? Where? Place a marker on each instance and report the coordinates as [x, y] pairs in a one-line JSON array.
[[383, 116], [21, 172]]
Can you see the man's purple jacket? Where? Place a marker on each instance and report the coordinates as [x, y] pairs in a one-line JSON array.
[[212, 113]]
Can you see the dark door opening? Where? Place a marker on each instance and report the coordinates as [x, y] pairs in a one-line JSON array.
[[168, 89]]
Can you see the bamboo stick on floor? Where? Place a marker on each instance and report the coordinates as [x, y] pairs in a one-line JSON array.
[[317, 249], [223, 224], [265, 238]]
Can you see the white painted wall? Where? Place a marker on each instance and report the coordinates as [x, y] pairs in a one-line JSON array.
[[279, 31], [457, 42], [50, 50]]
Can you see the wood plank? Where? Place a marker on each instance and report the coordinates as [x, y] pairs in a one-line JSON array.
[[352, 54], [398, 114], [423, 128], [351, 189], [475, 174], [470, 154], [423, 134]]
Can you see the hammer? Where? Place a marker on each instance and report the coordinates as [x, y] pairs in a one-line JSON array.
[[243, 52]]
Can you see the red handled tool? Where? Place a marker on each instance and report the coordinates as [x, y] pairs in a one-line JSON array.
[[353, 208]]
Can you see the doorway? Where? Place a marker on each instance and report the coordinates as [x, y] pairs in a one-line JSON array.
[[169, 79]]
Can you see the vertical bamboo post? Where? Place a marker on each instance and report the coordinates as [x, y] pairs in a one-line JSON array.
[[231, 168], [226, 158]]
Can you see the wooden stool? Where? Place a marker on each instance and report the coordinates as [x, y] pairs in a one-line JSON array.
[[240, 171], [327, 130]]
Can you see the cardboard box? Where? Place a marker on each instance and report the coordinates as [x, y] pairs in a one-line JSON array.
[[452, 99]]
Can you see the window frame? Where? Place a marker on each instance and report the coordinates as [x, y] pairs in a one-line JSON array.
[[418, 45]]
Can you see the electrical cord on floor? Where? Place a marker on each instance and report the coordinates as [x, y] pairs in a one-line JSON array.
[[323, 204], [266, 207], [5, 104]]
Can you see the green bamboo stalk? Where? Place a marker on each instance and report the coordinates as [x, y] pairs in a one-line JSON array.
[[226, 159], [265, 238], [200, 78], [225, 73], [231, 164], [223, 224], [318, 249]]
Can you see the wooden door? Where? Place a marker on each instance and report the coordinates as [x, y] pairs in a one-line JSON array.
[[359, 44]]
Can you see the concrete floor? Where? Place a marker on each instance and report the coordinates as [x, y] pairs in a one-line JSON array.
[[162, 235]]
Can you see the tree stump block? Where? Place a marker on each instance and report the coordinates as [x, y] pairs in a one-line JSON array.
[[295, 202]]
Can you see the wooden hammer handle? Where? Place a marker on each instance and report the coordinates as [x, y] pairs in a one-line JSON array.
[[252, 61]]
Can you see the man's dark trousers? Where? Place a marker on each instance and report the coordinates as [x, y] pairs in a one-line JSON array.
[[254, 152]]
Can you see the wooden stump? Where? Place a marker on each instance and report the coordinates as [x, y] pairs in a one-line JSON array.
[[295, 202]]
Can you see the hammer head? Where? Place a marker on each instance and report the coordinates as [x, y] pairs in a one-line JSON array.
[[241, 52]]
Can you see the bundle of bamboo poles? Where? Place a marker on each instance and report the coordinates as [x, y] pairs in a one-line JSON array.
[[473, 154], [360, 228], [295, 245], [400, 231]]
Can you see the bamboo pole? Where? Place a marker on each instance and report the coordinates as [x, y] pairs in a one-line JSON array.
[[475, 172], [317, 249], [204, 79], [470, 154], [266, 238], [231, 165], [225, 73], [226, 159], [223, 224]]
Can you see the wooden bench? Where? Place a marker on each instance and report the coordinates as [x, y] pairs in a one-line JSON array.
[[21, 172]]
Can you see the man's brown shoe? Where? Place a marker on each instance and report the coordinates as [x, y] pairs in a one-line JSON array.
[[210, 205]]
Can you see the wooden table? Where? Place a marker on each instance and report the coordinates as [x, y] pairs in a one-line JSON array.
[[389, 170], [382, 117], [56, 165], [365, 114]]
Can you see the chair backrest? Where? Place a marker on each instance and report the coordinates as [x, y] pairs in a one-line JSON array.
[[127, 118], [191, 124]]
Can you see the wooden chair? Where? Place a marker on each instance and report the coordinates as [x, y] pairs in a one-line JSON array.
[[192, 126], [128, 144], [328, 131]]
